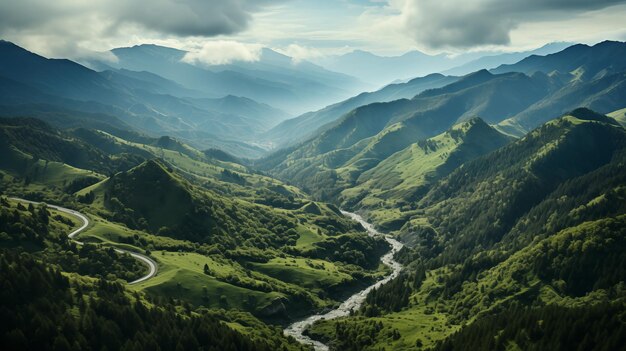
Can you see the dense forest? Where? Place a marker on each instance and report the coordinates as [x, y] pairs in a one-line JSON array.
[[596, 327], [531, 234], [43, 309]]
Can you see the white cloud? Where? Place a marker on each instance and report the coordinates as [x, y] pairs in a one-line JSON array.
[[299, 53], [221, 52]]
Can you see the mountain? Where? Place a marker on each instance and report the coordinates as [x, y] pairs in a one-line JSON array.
[[593, 78], [619, 115], [581, 61], [405, 176], [303, 127], [207, 207], [367, 135], [514, 102], [140, 101], [493, 61], [531, 232], [382, 70], [274, 79], [57, 77], [604, 94]]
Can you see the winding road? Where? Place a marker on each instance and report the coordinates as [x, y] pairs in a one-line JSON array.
[[152, 266], [296, 329], [355, 301]]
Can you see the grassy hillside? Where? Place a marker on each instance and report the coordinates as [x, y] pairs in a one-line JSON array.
[[619, 116], [514, 102], [388, 190]]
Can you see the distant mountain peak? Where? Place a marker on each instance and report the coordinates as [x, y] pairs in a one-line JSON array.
[[475, 126], [150, 49]]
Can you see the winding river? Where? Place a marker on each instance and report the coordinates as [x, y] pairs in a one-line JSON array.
[[355, 301]]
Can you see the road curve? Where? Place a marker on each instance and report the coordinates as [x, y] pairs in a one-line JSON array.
[[152, 266]]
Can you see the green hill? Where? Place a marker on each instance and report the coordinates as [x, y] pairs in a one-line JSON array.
[[389, 189]]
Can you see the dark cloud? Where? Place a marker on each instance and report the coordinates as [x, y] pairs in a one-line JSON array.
[[64, 23], [177, 17], [190, 17], [464, 24]]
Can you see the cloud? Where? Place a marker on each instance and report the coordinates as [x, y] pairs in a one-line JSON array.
[[300, 53], [464, 24], [60, 24], [221, 52]]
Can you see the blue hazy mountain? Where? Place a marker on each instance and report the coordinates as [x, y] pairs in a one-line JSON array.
[[303, 127], [582, 61], [493, 61], [146, 102], [382, 70], [274, 79]]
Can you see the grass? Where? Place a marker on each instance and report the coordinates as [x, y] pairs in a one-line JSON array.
[[620, 116], [210, 172], [423, 320], [307, 273], [387, 190], [181, 276], [308, 237]]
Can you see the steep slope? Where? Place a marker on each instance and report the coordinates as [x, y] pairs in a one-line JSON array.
[[535, 165], [41, 142], [295, 130], [604, 94], [494, 61], [587, 258], [56, 77], [583, 61], [387, 191], [371, 133], [619, 115]]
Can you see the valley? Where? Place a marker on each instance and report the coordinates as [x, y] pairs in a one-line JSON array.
[[156, 201], [355, 301]]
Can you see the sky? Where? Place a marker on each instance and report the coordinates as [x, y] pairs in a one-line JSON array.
[[219, 31]]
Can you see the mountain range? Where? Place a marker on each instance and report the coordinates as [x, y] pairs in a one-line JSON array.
[[500, 193], [383, 70], [275, 79], [513, 102]]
